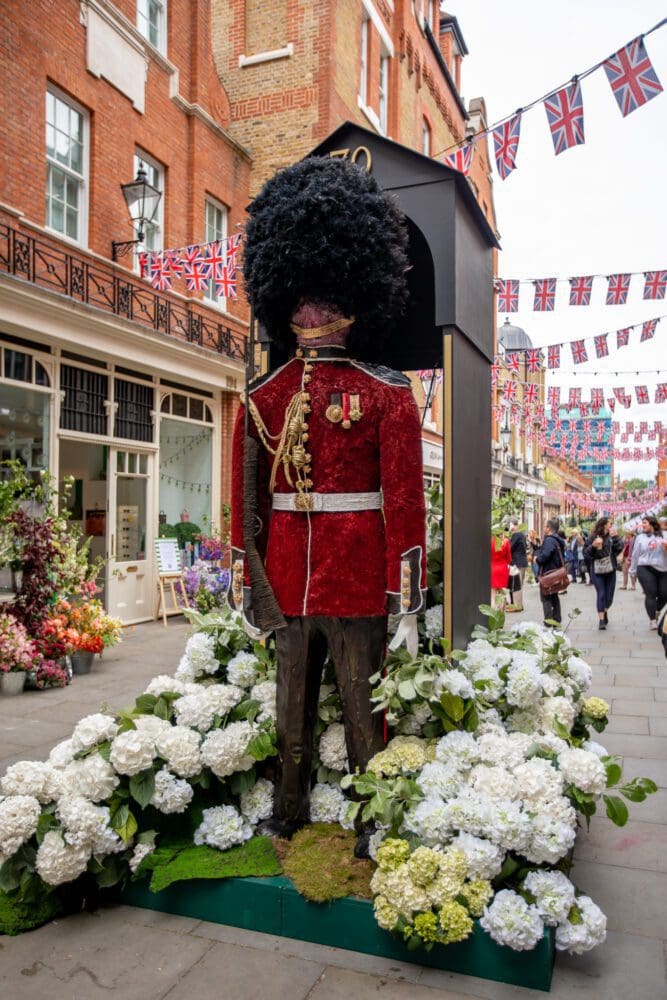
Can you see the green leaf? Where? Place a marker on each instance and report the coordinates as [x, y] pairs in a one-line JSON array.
[[617, 811], [142, 786], [614, 773], [453, 705], [242, 781], [162, 709], [406, 690], [574, 916], [10, 874], [145, 703]]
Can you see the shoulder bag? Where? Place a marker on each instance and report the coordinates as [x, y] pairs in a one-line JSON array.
[[556, 580]]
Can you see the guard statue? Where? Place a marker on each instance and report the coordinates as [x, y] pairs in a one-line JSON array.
[[327, 459]]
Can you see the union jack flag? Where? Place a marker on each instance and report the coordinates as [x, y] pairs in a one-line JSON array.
[[553, 356], [545, 295], [461, 158], [508, 295], [622, 398], [530, 394], [643, 427], [225, 284], [196, 276], [160, 273], [580, 291], [215, 258], [624, 438], [651, 435], [600, 432], [597, 399], [495, 371], [579, 353], [631, 76], [641, 392], [175, 264], [611, 403], [534, 360], [506, 144], [143, 264], [648, 329], [574, 399], [515, 416], [661, 392], [583, 409], [565, 114], [553, 395], [512, 361], [509, 390], [617, 289], [497, 412], [655, 284], [629, 427], [232, 250], [601, 346], [623, 337]]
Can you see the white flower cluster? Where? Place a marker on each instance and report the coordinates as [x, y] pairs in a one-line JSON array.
[[242, 669], [333, 749], [132, 751], [171, 795], [328, 804], [265, 693], [257, 802], [198, 710], [19, 816], [87, 826], [93, 729], [224, 750], [199, 657], [222, 827], [511, 921]]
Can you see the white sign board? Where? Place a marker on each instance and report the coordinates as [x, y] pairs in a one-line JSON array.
[[168, 556]]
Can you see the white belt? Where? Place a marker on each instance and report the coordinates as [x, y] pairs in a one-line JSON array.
[[327, 503]]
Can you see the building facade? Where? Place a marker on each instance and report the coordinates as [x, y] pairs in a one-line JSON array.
[[564, 480], [593, 447], [130, 391]]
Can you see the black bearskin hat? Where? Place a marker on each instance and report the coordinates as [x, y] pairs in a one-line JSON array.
[[323, 229]]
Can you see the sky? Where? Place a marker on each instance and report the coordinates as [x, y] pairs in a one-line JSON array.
[[598, 208]]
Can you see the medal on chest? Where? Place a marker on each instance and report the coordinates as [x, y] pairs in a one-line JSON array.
[[344, 409]]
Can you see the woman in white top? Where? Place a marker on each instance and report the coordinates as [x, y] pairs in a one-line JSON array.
[[649, 562]]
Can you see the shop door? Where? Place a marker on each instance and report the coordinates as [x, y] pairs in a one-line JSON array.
[[130, 536]]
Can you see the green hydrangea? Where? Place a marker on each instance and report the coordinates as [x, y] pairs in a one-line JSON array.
[[395, 760], [454, 862], [444, 888], [385, 914], [455, 922], [595, 708], [392, 853], [424, 866], [477, 894], [426, 926]]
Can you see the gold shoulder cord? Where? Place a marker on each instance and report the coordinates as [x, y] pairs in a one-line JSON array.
[[290, 449]]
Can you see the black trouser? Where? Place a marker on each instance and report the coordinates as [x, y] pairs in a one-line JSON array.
[[605, 588], [551, 607], [654, 584], [357, 647]]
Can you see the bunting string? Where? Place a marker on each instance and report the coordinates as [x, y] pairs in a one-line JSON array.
[[580, 290], [199, 265]]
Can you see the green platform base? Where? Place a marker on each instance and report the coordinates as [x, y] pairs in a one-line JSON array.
[[273, 905]]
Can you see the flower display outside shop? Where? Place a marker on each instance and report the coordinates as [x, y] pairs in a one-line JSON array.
[[17, 650]]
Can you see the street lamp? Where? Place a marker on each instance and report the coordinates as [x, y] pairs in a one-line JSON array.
[[505, 435], [142, 200]]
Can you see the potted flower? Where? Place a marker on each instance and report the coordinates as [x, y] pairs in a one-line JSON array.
[[17, 655], [95, 630]]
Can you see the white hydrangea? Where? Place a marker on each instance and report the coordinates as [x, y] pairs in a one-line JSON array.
[[583, 769], [438, 779], [180, 748], [494, 781], [592, 747], [62, 753], [497, 748], [537, 778], [92, 778], [554, 895], [493, 686], [326, 802], [453, 681], [550, 839], [375, 840], [140, 852], [132, 752], [171, 795], [524, 680], [559, 809], [579, 938], [163, 682], [28, 777], [222, 827], [430, 820], [58, 862], [556, 710], [222, 698], [152, 726], [86, 825], [511, 828], [459, 747], [242, 670], [185, 671], [19, 816], [265, 693], [333, 748], [510, 921], [549, 742], [484, 858], [224, 750], [257, 802], [93, 729], [411, 724], [195, 711], [580, 672], [433, 622], [199, 656]]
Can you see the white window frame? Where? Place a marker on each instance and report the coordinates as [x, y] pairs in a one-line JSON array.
[[82, 179], [219, 301], [157, 225], [143, 23], [363, 62], [383, 90]]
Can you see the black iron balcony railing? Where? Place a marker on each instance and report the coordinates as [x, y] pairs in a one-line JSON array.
[[115, 291]]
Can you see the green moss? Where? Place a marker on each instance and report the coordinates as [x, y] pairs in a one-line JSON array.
[[17, 916], [176, 863], [321, 863]]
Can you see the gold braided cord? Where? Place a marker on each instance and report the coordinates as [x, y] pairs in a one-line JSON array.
[[262, 429], [290, 447], [311, 333]]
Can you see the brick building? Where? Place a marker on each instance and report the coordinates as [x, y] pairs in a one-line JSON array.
[[130, 391]]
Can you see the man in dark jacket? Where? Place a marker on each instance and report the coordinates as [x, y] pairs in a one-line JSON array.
[[518, 548], [550, 557]]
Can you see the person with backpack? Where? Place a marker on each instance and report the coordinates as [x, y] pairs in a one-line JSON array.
[[550, 557], [603, 548]]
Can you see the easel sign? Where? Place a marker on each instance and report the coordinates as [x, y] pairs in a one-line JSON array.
[[169, 570]]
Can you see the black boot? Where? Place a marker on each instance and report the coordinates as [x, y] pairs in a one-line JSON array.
[[602, 625], [361, 848], [278, 828]]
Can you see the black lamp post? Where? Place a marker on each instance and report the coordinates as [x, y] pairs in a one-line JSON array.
[[142, 200], [505, 434]]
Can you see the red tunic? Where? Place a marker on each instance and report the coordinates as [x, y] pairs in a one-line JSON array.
[[500, 564], [349, 564]]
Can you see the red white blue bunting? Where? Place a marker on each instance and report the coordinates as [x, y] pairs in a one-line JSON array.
[[200, 265]]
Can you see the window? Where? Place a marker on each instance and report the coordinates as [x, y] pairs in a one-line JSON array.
[[152, 22], [134, 410], [426, 138], [384, 89], [363, 80], [66, 166], [215, 229], [153, 231], [85, 396]]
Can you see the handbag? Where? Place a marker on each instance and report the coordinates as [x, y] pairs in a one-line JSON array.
[[603, 566], [556, 580]]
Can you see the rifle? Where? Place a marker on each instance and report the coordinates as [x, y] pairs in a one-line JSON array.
[[266, 612]]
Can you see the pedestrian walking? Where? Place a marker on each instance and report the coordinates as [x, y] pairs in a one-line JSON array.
[[519, 551], [626, 557], [534, 544], [578, 564], [550, 556], [501, 556], [649, 563], [603, 548]]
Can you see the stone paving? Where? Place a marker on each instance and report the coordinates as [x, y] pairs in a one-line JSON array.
[[135, 954]]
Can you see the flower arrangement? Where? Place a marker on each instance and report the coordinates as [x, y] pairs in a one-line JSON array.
[[17, 651], [205, 584], [85, 626]]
